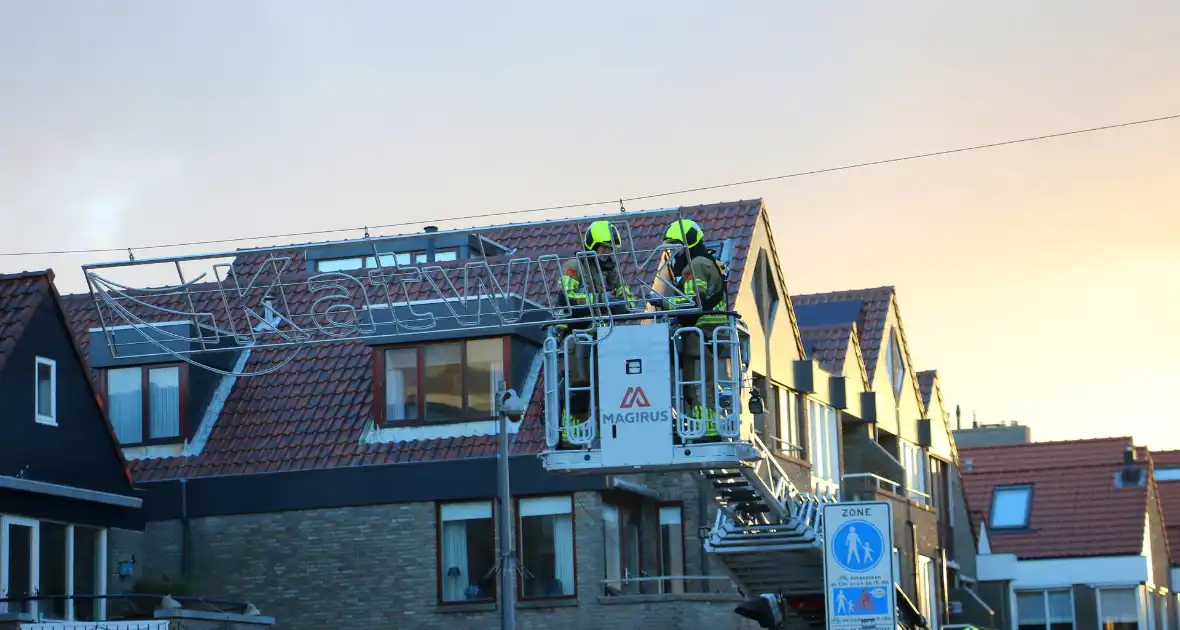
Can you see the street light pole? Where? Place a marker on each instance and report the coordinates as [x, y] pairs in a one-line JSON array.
[[507, 564]]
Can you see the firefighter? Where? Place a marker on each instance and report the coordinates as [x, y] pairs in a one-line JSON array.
[[589, 285], [699, 275]]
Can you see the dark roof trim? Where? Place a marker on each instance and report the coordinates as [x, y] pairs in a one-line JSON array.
[[69, 492]]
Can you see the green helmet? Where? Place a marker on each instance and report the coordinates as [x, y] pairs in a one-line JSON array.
[[602, 233], [684, 231]]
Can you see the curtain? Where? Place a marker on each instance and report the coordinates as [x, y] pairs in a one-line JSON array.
[[164, 402], [563, 552], [456, 572], [395, 394], [125, 401]]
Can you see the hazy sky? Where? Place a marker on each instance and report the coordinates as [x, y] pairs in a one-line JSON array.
[[1042, 280]]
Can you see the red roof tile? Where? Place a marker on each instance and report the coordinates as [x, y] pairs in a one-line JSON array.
[[1076, 508], [313, 412], [20, 295], [828, 345], [871, 323]]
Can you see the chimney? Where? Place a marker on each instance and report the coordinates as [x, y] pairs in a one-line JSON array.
[[1131, 475], [430, 229], [958, 418]]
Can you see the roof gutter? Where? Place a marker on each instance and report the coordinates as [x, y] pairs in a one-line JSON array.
[[69, 492]]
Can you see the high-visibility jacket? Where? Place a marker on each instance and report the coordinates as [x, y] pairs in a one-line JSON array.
[[582, 286], [705, 277]]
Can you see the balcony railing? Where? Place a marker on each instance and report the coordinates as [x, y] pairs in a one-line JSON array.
[[874, 482], [139, 624]]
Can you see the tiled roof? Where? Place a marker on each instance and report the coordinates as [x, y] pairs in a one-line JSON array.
[[870, 316], [313, 412], [1076, 508], [926, 385], [20, 295], [1169, 493], [828, 345]]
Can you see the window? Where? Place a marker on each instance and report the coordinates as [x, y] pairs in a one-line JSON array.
[[547, 547], [49, 558], [672, 547], [621, 540], [1010, 506], [790, 423], [824, 447], [1118, 608], [896, 363], [913, 460], [147, 404], [1044, 610], [45, 385], [1168, 473], [441, 382], [765, 291], [354, 263], [927, 592], [467, 552]]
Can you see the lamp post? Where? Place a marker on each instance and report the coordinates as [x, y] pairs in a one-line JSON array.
[[511, 409]]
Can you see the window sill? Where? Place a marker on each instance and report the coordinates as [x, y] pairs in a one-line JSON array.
[[47, 421], [623, 600], [412, 424], [566, 601], [464, 607]]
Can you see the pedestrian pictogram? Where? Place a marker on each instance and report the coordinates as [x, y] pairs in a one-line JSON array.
[[634, 398], [858, 546]]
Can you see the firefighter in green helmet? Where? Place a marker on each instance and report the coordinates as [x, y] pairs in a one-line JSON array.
[[590, 285], [699, 276]]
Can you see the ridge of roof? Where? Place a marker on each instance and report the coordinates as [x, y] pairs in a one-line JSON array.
[[1026, 445]]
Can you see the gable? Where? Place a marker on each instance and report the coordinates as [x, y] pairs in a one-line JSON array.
[[76, 449]]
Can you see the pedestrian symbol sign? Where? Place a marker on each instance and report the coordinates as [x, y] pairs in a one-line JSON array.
[[858, 546], [858, 566]]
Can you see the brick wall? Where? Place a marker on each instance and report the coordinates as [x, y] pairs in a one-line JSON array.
[[375, 567]]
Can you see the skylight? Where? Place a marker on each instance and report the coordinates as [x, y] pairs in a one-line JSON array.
[[1010, 507]]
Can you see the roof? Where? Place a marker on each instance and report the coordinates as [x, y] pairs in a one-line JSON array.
[[313, 412], [926, 385], [827, 344], [1076, 510], [867, 308], [1169, 493], [20, 295]]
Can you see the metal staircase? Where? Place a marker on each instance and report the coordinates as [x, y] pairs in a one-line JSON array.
[[767, 533]]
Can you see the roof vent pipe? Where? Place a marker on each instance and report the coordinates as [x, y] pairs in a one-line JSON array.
[[430, 229]]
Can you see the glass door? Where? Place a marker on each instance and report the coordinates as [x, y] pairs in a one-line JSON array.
[[19, 548]]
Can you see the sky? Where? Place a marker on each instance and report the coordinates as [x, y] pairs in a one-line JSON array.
[[1042, 280]]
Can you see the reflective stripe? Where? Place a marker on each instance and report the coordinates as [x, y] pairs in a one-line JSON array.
[[710, 421]]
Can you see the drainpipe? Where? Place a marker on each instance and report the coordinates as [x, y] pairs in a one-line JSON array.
[[430, 229], [184, 528], [703, 515]]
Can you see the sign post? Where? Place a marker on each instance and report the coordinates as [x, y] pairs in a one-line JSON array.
[[858, 566]]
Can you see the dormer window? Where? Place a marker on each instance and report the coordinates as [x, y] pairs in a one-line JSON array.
[[896, 363], [45, 383], [353, 263], [1168, 473], [446, 381], [146, 404], [1010, 507]]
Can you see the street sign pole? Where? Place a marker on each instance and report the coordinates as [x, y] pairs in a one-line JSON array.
[[859, 578]]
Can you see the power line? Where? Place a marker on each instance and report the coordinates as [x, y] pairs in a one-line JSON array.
[[588, 204]]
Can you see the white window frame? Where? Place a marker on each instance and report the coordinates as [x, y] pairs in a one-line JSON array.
[[561, 505], [1044, 593], [100, 563], [459, 511], [915, 463], [1141, 619], [1027, 489], [823, 452], [51, 418], [928, 591]]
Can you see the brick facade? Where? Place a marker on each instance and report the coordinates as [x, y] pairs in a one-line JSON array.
[[376, 567]]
